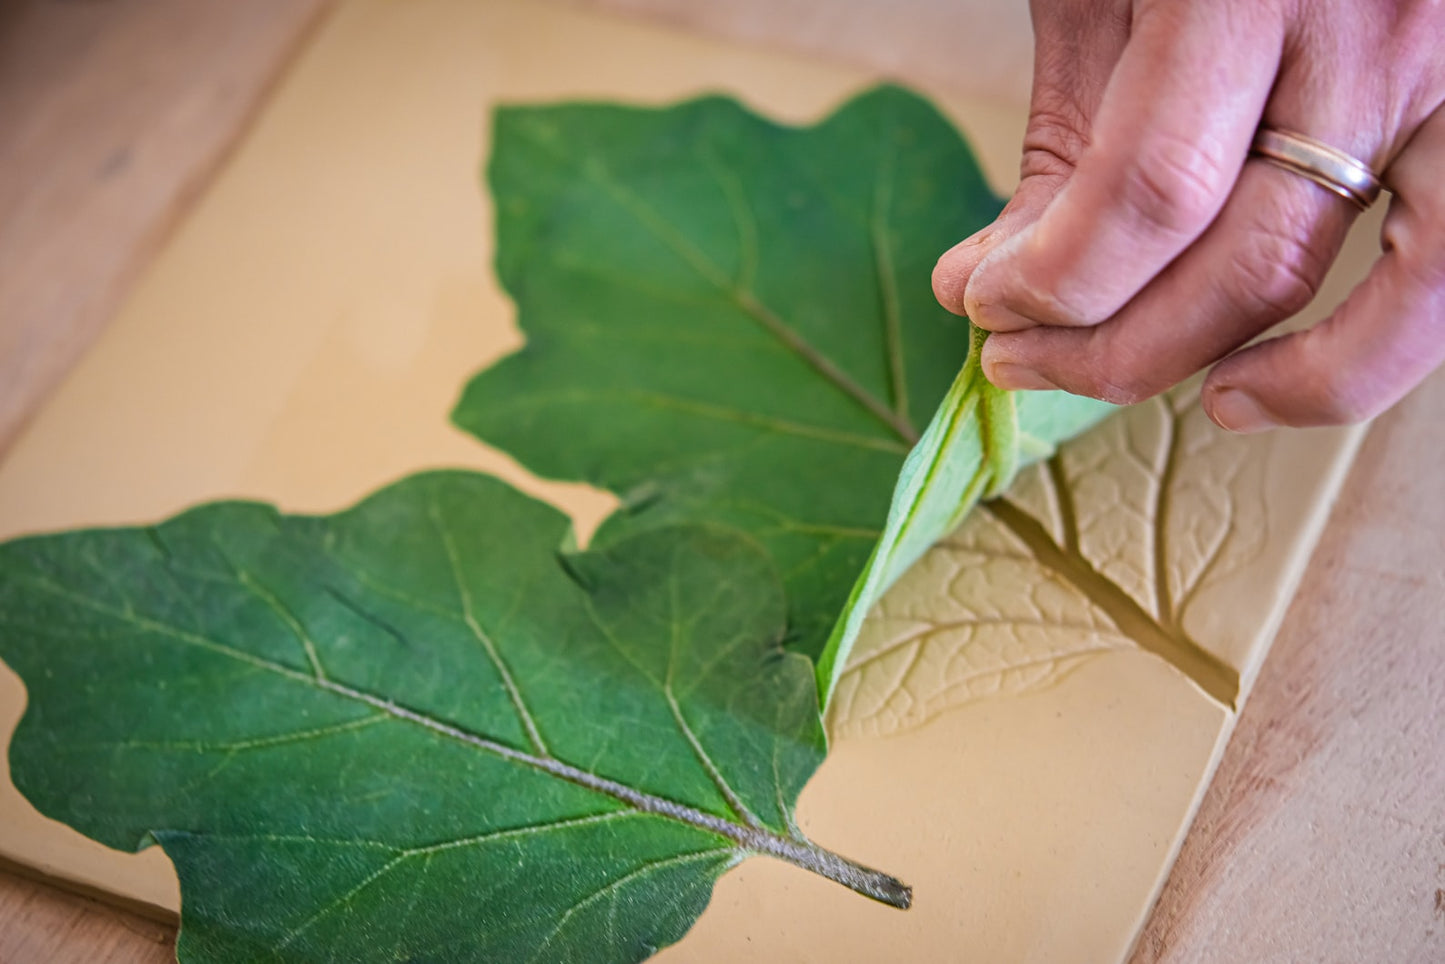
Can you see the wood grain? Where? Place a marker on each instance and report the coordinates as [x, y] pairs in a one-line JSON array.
[[917, 40], [41, 924], [113, 115], [1323, 836]]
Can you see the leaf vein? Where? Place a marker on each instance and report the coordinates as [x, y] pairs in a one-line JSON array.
[[646, 869], [284, 614], [756, 839], [254, 743], [464, 595], [709, 410], [886, 270], [748, 301], [894, 646]]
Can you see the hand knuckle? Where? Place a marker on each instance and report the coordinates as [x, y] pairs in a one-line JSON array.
[[1054, 139], [1041, 161], [1117, 390], [1273, 273], [1335, 396], [1338, 403], [1175, 185], [1120, 373], [1424, 266]]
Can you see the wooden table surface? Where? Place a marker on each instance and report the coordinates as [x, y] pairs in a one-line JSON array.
[[1323, 835]]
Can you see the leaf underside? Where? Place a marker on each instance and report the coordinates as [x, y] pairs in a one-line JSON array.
[[412, 730], [1115, 542]]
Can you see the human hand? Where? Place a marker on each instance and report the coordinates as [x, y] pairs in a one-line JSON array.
[[1143, 244]]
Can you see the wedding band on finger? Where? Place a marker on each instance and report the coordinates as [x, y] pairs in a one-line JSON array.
[[1330, 168]]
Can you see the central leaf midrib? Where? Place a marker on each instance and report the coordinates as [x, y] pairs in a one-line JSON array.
[[887, 275], [748, 302], [760, 840]]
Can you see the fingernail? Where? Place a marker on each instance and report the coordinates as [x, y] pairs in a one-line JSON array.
[[984, 310], [1017, 378], [994, 317], [983, 299], [1238, 411]]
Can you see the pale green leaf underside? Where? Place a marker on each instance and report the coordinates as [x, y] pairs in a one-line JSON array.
[[731, 321], [977, 441], [1116, 541], [413, 730]]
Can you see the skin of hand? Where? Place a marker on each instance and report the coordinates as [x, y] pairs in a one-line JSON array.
[[1144, 244]]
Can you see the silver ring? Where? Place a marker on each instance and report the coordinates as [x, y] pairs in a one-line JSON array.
[[1329, 167]]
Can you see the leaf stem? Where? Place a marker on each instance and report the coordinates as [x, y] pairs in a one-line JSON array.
[[749, 839], [882, 887], [756, 839]]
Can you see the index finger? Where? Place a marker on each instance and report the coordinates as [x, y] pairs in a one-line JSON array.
[[1076, 46], [1168, 142]]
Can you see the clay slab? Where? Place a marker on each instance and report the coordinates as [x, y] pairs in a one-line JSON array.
[[1000, 742]]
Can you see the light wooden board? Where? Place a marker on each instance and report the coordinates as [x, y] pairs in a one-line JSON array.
[[113, 115], [1421, 422], [979, 48], [1323, 836], [44, 925]]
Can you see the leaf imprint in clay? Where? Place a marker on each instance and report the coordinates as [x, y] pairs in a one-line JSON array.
[[1107, 544]]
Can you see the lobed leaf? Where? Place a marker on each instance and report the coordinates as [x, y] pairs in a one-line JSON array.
[[731, 321], [413, 730]]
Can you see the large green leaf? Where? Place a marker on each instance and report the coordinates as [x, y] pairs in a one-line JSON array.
[[414, 730], [731, 320]]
